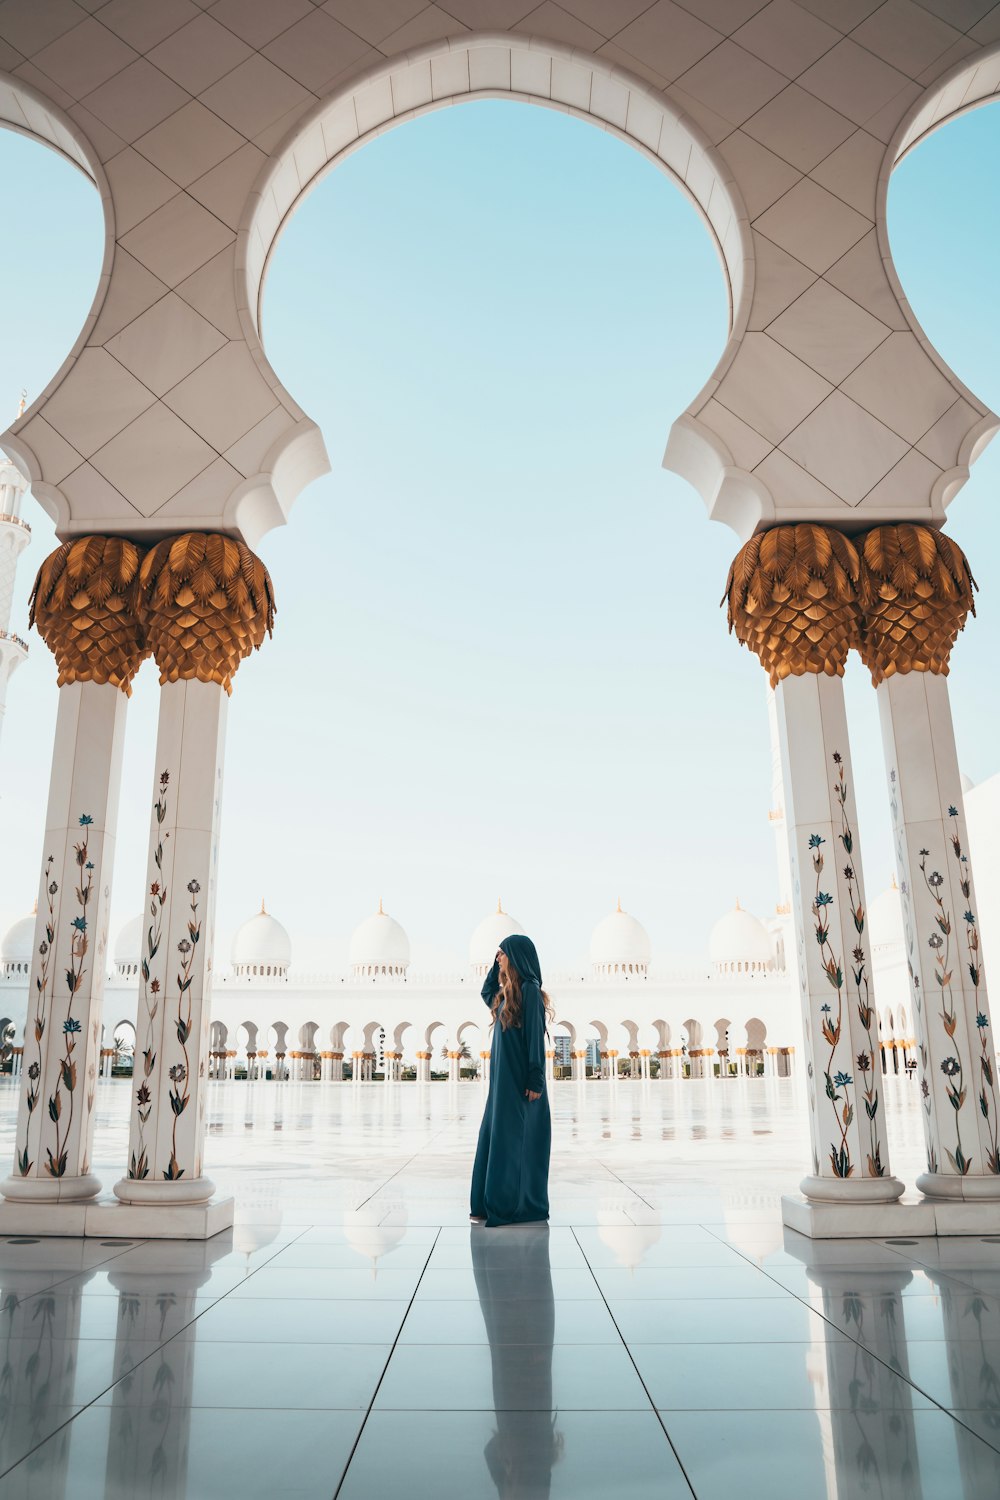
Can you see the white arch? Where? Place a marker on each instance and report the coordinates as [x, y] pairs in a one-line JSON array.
[[27, 112], [971, 83], [454, 70]]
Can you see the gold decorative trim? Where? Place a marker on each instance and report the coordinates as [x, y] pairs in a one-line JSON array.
[[792, 596], [83, 606], [205, 602], [918, 591]]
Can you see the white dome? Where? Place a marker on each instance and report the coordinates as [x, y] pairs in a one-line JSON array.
[[967, 782], [739, 943], [379, 947], [885, 919], [261, 948], [128, 947], [488, 936], [18, 944], [620, 945]]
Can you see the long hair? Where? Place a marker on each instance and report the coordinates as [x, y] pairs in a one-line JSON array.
[[507, 1003]]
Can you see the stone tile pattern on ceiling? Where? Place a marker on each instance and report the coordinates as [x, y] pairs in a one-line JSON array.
[[830, 398]]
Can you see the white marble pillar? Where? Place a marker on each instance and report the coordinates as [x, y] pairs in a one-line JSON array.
[[55, 1123], [167, 1127], [850, 1154], [955, 1038], [550, 1065]]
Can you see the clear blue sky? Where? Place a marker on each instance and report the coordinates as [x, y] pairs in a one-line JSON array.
[[499, 666]]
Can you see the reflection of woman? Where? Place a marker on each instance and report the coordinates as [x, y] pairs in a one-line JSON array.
[[521, 1452], [510, 1179]]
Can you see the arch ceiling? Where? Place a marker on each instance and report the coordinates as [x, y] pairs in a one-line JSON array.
[[202, 134]]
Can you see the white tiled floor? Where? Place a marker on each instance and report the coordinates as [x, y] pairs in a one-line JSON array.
[[353, 1337]]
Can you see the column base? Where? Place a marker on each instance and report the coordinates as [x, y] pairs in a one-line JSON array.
[[108, 1219], [54, 1191], [850, 1190], [149, 1192], [914, 1218], [954, 1189], [160, 1221]]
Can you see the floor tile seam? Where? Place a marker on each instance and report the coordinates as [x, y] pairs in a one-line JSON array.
[[25, 1456], [378, 1386], [42, 1291], [85, 1405], [865, 1348], [401, 1168], [628, 1351], [627, 1186]]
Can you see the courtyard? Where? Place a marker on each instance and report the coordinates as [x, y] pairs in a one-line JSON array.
[[353, 1336]]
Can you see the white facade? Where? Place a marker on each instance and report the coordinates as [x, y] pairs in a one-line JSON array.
[[267, 1017]]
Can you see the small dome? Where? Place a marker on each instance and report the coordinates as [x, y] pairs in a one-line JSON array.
[[620, 946], [379, 948], [885, 919], [128, 946], [488, 936], [739, 943], [261, 948], [967, 782], [18, 945]]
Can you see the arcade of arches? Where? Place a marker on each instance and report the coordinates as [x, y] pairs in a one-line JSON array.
[[831, 438]]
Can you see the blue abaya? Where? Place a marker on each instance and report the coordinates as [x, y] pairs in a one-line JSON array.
[[510, 1178]]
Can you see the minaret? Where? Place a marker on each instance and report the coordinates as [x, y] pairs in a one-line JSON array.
[[15, 535]]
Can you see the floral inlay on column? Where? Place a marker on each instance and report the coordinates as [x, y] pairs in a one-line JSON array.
[[151, 986], [839, 1082], [179, 1073], [952, 1067], [987, 1093], [24, 1165], [67, 1077]]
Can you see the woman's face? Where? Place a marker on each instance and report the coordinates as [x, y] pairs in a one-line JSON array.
[[504, 963]]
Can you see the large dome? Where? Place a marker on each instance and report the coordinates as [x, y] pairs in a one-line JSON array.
[[17, 946], [620, 946], [739, 943], [262, 948], [128, 947], [488, 936], [379, 948], [885, 919]]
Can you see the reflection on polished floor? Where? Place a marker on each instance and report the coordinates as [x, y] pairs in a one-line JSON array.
[[354, 1337]]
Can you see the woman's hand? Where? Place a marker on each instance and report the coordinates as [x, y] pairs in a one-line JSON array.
[[530, 1096]]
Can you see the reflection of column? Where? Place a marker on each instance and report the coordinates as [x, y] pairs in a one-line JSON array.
[[863, 1390], [522, 1451], [971, 1322], [83, 606], [793, 599], [205, 603], [920, 593], [148, 1439], [39, 1354]]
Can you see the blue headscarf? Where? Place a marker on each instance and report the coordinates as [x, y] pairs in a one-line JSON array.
[[521, 952]]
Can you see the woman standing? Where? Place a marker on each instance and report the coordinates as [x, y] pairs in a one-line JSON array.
[[510, 1179]]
